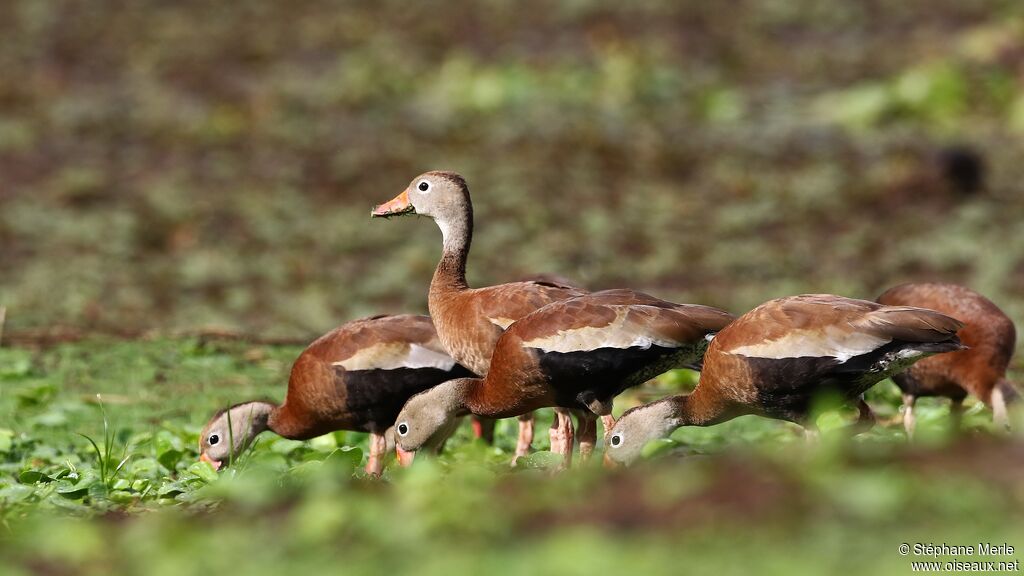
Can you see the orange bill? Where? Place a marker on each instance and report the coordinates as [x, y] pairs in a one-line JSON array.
[[610, 464], [397, 206], [404, 458], [204, 458]]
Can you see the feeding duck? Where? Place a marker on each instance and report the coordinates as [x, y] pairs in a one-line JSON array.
[[777, 359], [576, 354], [356, 377], [979, 370]]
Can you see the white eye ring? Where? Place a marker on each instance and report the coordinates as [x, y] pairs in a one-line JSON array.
[[213, 439], [616, 440], [402, 429], [423, 186]]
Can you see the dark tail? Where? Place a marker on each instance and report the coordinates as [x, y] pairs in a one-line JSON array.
[[951, 345]]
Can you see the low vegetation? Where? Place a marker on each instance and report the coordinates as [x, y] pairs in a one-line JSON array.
[[99, 475]]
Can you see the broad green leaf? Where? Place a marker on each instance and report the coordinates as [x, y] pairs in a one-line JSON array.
[[345, 460], [171, 489], [204, 471], [146, 467], [16, 493], [33, 477], [170, 458], [98, 491], [121, 497]]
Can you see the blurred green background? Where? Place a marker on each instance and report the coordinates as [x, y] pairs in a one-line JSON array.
[[174, 165], [178, 166]]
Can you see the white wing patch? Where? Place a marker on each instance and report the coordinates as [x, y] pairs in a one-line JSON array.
[[396, 355], [502, 323], [833, 342], [619, 334]]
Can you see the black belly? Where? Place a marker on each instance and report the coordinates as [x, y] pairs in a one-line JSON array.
[[601, 374], [373, 398], [787, 388]]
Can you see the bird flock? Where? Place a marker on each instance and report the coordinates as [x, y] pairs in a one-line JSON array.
[[507, 350]]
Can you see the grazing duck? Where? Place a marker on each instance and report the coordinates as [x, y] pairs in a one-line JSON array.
[[576, 354], [469, 321], [775, 360], [356, 377], [980, 370]]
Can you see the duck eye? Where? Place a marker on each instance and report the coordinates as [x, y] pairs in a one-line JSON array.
[[214, 439], [616, 440], [423, 186], [403, 429]]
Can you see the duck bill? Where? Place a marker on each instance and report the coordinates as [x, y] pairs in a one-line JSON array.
[[204, 458], [395, 207], [404, 458], [610, 464]]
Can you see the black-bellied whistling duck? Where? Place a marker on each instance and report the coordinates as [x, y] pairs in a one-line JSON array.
[[575, 354], [483, 428], [469, 321], [778, 358], [980, 370], [356, 377]]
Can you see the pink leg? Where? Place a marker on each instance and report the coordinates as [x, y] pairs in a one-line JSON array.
[[865, 418], [375, 461], [555, 435], [562, 436], [608, 422], [569, 439], [588, 435], [909, 422], [525, 441]]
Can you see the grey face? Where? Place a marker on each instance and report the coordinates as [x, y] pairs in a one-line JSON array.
[[246, 422], [428, 415], [637, 427], [439, 197]]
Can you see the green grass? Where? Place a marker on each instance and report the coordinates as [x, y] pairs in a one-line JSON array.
[[737, 497]]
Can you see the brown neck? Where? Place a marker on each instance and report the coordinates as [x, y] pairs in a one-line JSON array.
[[503, 395], [457, 230], [478, 402], [699, 409], [284, 422], [469, 393]]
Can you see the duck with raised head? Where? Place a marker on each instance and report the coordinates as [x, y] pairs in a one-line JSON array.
[[777, 359], [469, 321], [576, 354], [356, 377], [980, 370]]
